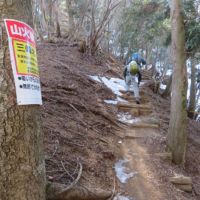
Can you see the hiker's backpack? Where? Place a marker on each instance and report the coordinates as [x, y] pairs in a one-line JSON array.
[[133, 67]]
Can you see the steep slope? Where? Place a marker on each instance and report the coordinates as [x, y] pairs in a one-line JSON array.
[[80, 127]]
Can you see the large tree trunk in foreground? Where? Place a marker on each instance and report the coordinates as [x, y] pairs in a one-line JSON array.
[[22, 157], [176, 138], [192, 90]]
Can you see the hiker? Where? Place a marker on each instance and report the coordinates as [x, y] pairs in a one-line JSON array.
[[133, 75], [138, 59]]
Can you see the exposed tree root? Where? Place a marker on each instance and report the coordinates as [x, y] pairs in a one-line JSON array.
[[55, 192]]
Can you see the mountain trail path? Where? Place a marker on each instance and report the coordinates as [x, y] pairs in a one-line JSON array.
[[136, 170]]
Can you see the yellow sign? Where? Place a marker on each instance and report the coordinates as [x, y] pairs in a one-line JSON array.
[[26, 59]]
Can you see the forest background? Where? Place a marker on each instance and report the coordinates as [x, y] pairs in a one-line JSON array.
[[122, 28], [166, 33]]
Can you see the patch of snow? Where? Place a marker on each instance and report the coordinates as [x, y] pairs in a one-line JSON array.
[[123, 117], [142, 83], [96, 78], [119, 142], [126, 117], [134, 154], [163, 86], [111, 101], [115, 84], [121, 171], [118, 197], [134, 120]]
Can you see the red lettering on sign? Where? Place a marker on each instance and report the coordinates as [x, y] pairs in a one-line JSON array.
[[20, 30]]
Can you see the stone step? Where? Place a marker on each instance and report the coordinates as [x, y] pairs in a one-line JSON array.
[[132, 98], [141, 92], [143, 125]]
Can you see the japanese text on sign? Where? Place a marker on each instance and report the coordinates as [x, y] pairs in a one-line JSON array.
[[26, 59], [24, 62]]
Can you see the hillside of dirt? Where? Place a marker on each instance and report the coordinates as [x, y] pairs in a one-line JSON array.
[[80, 127]]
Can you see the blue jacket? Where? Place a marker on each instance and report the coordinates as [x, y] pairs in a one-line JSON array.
[[138, 58]]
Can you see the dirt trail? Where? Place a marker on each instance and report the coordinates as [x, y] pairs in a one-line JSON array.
[[140, 169], [134, 150], [81, 124]]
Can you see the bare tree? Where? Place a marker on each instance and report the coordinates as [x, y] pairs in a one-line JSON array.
[[55, 10], [192, 103], [97, 31], [71, 18], [44, 18]]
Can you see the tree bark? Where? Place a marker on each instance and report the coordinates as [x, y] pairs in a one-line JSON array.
[[168, 88], [48, 5], [128, 52], [176, 138], [155, 60], [192, 90], [21, 140], [45, 20], [55, 10], [71, 18], [35, 10]]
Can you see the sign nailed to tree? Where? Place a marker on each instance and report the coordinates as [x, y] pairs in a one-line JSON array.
[[24, 62]]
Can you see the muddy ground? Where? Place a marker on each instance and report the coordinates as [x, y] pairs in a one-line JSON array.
[[80, 127]]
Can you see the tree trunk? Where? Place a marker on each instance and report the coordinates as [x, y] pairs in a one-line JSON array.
[[35, 21], [55, 10], [192, 89], [21, 140], [128, 52], [168, 88], [176, 138], [147, 57], [71, 18], [48, 4], [45, 20], [155, 61]]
